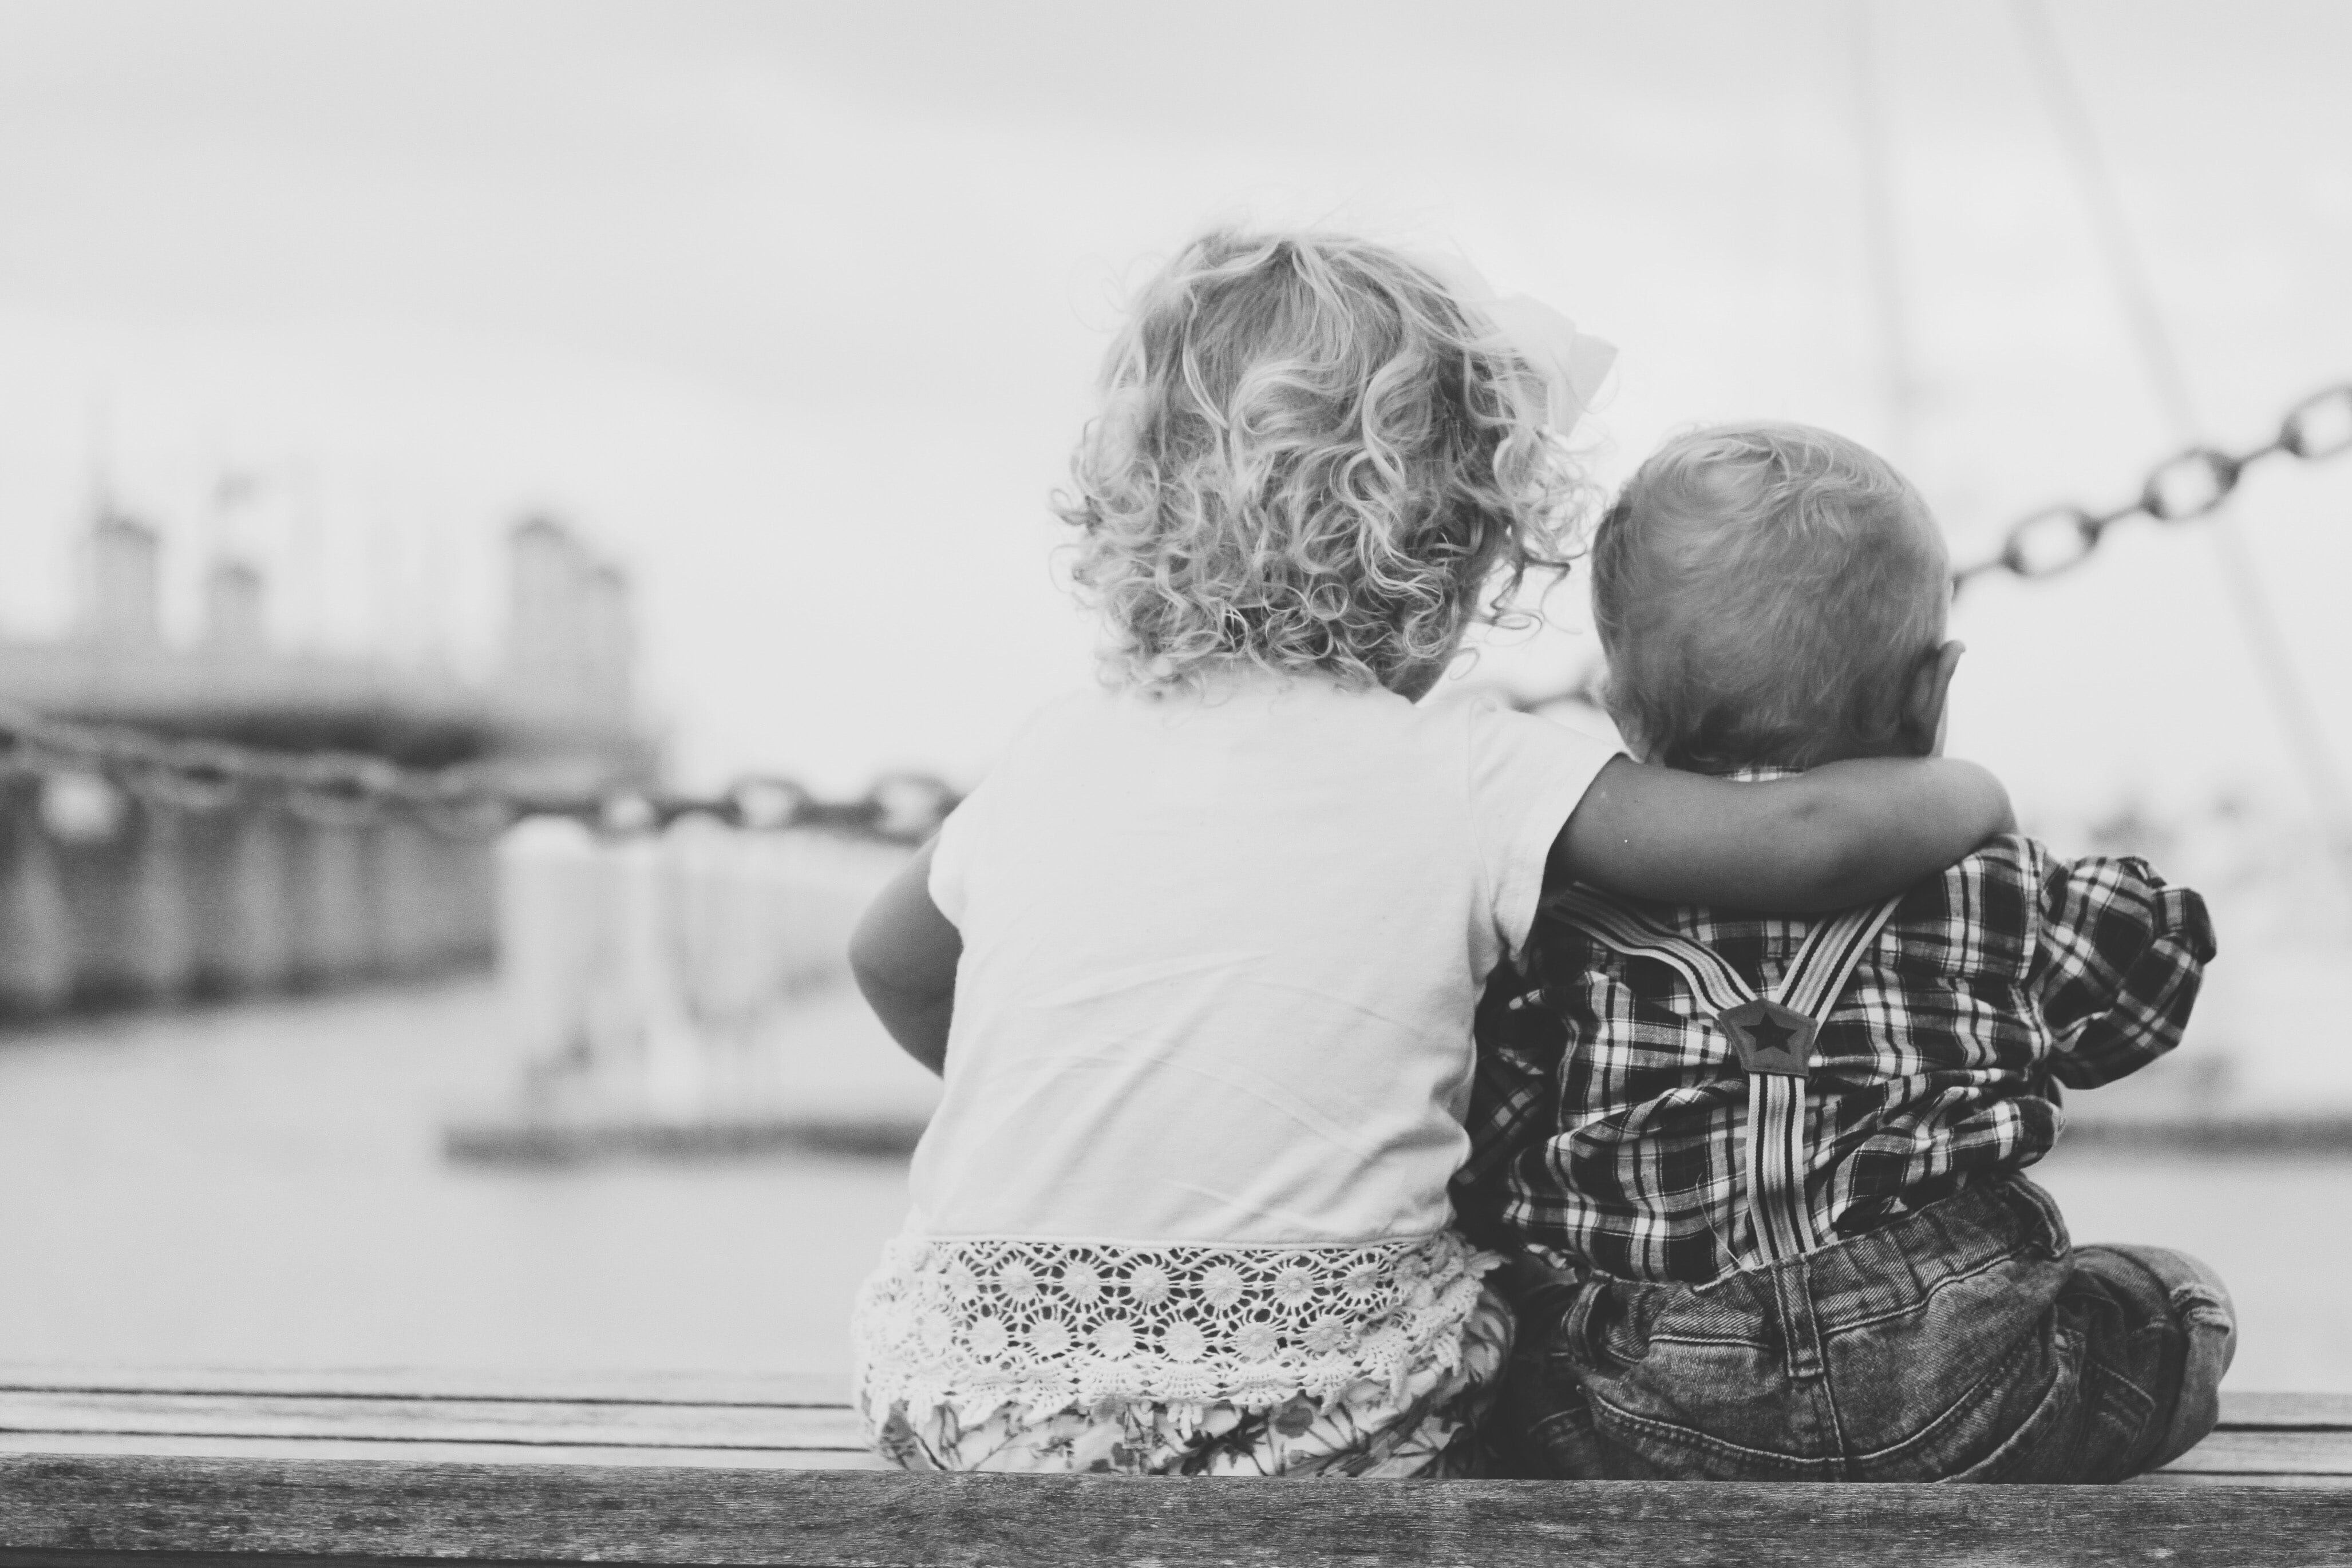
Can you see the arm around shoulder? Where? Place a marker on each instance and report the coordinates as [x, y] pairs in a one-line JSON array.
[[903, 955], [1841, 834]]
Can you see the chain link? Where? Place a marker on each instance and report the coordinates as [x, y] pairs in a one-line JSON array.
[[2188, 485], [339, 789], [466, 800]]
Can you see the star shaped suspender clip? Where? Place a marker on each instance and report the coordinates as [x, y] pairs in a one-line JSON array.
[[1769, 1037]]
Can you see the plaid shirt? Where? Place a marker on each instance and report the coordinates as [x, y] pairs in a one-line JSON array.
[[1608, 1117]]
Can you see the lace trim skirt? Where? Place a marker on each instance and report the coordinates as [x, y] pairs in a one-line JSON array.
[[1178, 1358]]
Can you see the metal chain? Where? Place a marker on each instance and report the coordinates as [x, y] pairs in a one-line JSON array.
[[467, 800], [473, 800], [2180, 489]]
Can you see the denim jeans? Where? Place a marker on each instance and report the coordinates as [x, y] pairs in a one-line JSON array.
[[1969, 1340]]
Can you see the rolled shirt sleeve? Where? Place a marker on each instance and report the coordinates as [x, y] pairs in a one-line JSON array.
[[2118, 958], [952, 853]]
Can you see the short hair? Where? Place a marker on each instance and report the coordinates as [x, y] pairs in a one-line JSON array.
[[1764, 593], [1312, 453]]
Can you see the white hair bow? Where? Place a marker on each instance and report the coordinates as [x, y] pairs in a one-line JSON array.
[[1574, 364]]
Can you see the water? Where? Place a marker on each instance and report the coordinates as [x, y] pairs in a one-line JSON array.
[[2274, 1229], [263, 1186]]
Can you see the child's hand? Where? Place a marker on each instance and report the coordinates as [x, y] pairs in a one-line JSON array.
[[1841, 834]]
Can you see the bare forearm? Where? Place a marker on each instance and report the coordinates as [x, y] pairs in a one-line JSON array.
[[1840, 835], [1871, 827]]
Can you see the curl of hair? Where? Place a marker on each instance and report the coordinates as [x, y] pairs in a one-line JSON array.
[[1310, 454], [1764, 593]]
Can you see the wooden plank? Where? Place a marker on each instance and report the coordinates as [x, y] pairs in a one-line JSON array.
[[208, 1445], [2242, 1450], [2262, 1436], [2258, 1409], [542, 1423], [2169, 1477], [59, 1510], [2253, 1455], [2241, 1466], [2332, 1411], [757, 1388]]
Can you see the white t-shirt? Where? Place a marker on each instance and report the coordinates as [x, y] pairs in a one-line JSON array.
[[1220, 959]]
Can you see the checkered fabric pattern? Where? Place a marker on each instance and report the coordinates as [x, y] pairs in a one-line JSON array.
[[1609, 1115]]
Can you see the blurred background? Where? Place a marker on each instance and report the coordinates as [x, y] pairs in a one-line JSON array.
[[645, 413]]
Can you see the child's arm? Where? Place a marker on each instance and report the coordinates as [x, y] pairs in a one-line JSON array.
[[1838, 835], [2117, 957], [904, 956]]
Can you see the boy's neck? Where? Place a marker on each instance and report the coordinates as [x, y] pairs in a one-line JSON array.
[[1774, 769], [1848, 752]]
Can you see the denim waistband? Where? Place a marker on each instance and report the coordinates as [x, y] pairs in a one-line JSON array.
[[1852, 1282]]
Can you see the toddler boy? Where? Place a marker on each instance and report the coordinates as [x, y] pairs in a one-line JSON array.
[[1762, 1176]]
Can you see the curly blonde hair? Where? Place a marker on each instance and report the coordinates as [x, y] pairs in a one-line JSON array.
[[1311, 454]]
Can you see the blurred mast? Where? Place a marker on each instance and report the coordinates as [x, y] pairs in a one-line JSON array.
[[1890, 295], [2127, 274]]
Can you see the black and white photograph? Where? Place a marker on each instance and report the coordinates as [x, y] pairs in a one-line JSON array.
[[902, 784]]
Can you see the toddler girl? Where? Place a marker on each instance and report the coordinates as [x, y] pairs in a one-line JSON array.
[[1199, 959]]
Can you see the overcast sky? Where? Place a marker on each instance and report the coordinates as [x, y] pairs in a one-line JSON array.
[[795, 312]]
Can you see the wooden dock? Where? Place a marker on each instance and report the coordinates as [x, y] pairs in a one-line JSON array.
[[110, 1468]]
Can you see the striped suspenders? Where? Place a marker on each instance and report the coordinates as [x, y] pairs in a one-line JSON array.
[[1774, 1036]]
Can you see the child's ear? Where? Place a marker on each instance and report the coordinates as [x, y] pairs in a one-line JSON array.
[[1923, 703]]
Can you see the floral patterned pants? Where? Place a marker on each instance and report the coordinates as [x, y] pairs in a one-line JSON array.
[[1421, 1424]]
